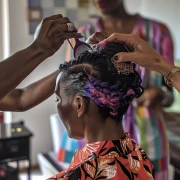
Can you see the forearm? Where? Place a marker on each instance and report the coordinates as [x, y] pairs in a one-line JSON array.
[[15, 68], [30, 96]]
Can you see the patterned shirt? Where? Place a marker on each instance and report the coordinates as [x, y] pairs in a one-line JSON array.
[[146, 125], [113, 159]]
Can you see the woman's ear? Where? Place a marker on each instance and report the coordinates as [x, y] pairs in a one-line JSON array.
[[79, 105]]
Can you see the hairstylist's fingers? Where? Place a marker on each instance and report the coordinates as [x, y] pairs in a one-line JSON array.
[[138, 58], [63, 20], [125, 57], [61, 29], [97, 37], [54, 17], [92, 39], [135, 57], [101, 36], [51, 33], [118, 37], [72, 35], [131, 40], [59, 40]]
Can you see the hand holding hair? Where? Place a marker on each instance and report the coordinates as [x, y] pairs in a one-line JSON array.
[[147, 57], [52, 32], [97, 37], [49, 37]]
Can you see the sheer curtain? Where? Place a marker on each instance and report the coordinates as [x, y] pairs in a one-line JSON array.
[[5, 42]]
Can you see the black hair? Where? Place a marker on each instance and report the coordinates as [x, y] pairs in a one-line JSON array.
[[97, 63]]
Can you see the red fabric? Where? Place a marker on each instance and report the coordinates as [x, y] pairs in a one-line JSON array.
[[115, 159]]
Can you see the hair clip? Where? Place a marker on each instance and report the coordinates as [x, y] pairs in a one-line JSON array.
[[123, 68]]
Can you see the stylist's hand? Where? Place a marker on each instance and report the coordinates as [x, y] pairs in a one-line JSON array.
[[141, 54], [52, 32], [97, 37], [150, 98]]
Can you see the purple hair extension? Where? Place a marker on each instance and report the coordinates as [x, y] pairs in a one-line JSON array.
[[105, 95]]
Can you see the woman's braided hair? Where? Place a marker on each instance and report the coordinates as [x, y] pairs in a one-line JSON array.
[[94, 76]]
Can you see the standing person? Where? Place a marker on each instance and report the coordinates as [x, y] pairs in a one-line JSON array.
[[146, 116], [97, 94]]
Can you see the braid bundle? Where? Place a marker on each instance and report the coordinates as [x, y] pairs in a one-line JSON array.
[[108, 89]]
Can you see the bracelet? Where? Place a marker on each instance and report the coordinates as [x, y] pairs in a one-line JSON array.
[[170, 74]]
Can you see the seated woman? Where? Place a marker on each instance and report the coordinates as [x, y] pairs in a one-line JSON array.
[[93, 94]]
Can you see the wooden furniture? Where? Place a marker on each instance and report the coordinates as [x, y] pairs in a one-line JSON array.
[[15, 144]]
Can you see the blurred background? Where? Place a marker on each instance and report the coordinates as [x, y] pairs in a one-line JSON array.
[[18, 20]]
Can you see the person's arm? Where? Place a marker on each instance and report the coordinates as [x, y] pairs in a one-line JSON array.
[[145, 56], [14, 69], [30, 96], [50, 35]]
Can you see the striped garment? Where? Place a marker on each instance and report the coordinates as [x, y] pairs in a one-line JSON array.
[[146, 125]]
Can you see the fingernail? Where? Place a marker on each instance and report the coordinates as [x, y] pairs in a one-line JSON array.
[[116, 58]]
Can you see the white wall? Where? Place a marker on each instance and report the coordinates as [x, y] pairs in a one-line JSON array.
[[37, 119], [167, 11]]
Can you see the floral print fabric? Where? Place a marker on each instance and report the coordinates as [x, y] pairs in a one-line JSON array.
[[113, 159]]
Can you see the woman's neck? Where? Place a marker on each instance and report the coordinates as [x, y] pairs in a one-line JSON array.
[[118, 14], [97, 130], [118, 21]]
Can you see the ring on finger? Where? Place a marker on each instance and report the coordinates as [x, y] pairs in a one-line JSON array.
[[71, 27]]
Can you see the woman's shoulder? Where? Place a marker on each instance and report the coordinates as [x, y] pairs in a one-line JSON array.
[[154, 22]]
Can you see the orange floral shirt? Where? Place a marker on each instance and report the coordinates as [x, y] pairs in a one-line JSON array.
[[113, 159]]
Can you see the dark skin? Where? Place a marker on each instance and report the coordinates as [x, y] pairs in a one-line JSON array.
[[145, 56], [30, 96], [82, 124], [151, 96], [114, 16], [49, 37], [115, 19]]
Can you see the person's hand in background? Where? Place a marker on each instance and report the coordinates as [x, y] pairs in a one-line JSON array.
[[96, 38], [150, 98], [52, 32], [141, 54]]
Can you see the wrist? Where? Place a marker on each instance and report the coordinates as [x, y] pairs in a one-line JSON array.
[[165, 66], [34, 47]]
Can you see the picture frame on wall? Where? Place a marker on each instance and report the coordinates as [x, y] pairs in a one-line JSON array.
[[35, 14], [83, 3]]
